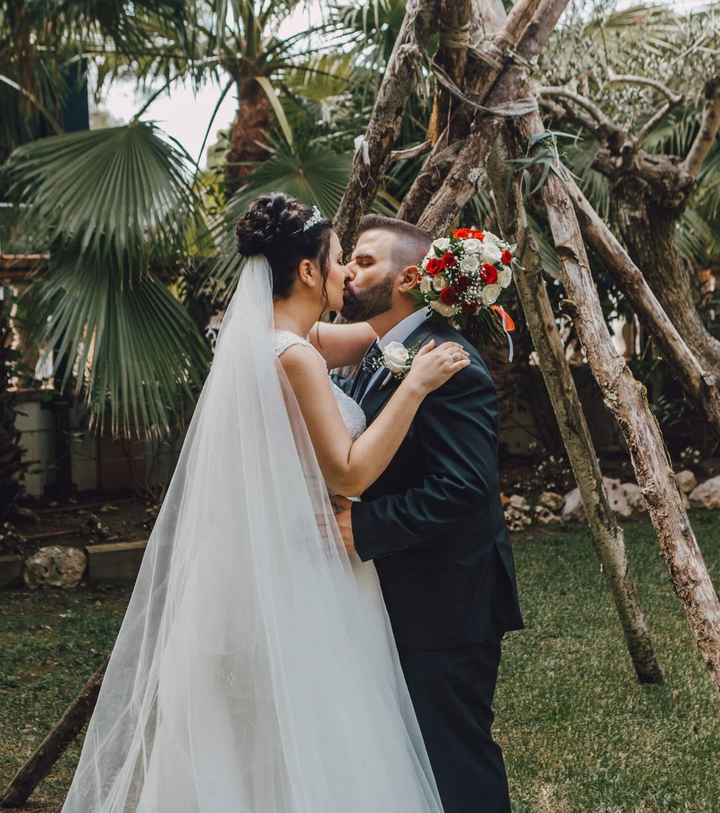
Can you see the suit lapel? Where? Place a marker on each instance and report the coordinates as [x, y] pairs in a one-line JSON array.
[[378, 395]]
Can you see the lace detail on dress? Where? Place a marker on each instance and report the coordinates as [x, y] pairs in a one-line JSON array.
[[285, 339], [352, 414]]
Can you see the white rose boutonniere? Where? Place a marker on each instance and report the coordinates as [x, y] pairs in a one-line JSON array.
[[397, 358]]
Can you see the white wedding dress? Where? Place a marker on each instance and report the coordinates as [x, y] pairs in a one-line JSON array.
[[255, 670], [354, 419]]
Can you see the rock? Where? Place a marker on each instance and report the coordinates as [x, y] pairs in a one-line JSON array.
[[574, 510], [545, 516], [686, 481], [518, 502], [551, 500], [517, 520], [55, 566], [707, 494], [634, 497]]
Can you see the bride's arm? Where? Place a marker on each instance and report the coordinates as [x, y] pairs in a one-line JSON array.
[[350, 467], [342, 345]]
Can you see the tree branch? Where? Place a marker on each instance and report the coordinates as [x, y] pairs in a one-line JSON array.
[[654, 120], [396, 87], [411, 152], [708, 131], [459, 186], [699, 385], [629, 79], [527, 26], [602, 123]]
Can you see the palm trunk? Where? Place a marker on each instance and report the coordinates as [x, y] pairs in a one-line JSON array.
[[248, 133]]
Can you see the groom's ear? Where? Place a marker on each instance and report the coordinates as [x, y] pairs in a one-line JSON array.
[[409, 278]]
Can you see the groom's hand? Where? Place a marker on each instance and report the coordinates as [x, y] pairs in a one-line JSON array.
[[343, 516]]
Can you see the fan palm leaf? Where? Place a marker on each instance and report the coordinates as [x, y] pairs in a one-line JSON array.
[[108, 190], [316, 176], [134, 352]]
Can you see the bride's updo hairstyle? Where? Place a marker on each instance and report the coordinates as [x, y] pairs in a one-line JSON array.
[[274, 225]]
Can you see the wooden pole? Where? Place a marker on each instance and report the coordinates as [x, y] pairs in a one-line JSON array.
[[53, 746]]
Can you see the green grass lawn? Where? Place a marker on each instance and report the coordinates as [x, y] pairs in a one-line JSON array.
[[580, 736]]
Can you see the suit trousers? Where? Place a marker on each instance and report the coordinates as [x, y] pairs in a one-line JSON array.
[[452, 691]]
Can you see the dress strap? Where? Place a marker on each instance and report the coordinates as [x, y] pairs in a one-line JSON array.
[[285, 339]]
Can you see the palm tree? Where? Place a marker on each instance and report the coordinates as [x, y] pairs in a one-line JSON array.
[[123, 211]]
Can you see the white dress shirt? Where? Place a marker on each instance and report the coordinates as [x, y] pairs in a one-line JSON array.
[[398, 333]]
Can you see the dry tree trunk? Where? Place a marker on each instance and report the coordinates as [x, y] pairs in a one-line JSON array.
[[699, 384], [372, 157], [53, 746], [626, 398], [607, 534], [526, 31], [648, 226], [481, 75], [454, 23]]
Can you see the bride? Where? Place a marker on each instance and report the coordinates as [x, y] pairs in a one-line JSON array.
[[255, 669]]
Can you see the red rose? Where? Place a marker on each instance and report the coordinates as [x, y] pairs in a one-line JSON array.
[[448, 260], [469, 307], [462, 234], [506, 257], [489, 273], [434, 266], [477, 234], [463, 284], [448, 296]]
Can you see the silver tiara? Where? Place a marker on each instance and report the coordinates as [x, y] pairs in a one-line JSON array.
[[315, 218]]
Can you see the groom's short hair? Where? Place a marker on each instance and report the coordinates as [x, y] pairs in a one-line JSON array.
[[410, 243]]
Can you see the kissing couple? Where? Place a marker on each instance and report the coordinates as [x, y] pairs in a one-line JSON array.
[[316, 624]]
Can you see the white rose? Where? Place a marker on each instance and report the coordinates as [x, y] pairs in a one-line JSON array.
[[440, 282], [473, 246], [426, 285], [469, 264], [396, 357], [490, 293], [504, 277], [443, 243], [491, 253], [442, 309]]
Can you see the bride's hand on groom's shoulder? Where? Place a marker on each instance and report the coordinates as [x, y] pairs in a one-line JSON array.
[[433, 366]]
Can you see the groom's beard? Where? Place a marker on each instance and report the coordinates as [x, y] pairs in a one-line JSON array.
[[369, 303]]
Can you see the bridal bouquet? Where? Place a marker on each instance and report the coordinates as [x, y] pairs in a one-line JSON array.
[[464, 274]]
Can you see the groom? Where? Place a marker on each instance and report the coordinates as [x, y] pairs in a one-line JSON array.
[[434, 525]]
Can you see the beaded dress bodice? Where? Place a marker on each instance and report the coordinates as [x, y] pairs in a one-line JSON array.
[[352, 414]]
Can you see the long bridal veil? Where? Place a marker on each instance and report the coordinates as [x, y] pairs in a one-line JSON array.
[[251, 672]]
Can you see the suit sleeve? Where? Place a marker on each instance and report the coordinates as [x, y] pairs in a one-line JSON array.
[[457, 427]]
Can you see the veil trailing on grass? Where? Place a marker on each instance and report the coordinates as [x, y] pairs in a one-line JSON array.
[[251, 672]]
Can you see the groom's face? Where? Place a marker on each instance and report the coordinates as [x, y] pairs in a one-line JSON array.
[[374, 272]]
